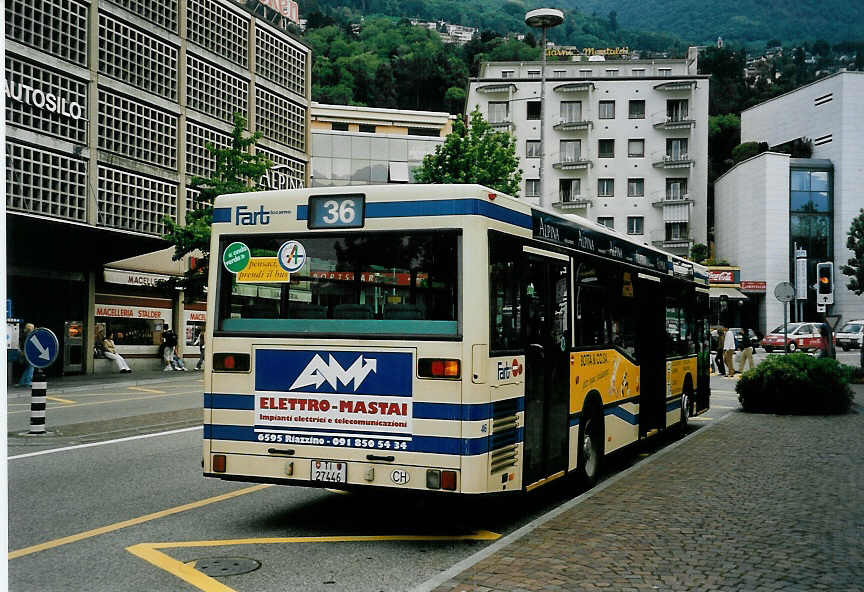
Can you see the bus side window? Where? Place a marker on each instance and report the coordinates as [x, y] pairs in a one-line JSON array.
[[505, 308]]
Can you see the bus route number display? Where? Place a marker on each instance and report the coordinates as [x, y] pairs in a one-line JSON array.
[[337, 211]]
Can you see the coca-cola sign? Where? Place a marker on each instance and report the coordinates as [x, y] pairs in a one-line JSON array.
[[724, 276]]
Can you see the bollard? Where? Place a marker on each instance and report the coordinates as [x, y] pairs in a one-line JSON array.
[[38, 393]]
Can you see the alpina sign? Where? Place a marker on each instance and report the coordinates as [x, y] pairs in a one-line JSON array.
[[279, 177], [36, 97]]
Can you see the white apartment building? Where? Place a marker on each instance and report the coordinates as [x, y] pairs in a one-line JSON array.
[[624, 143], [767, 205]]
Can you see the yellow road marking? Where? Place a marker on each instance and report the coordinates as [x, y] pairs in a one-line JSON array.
[[59, 400], [145, 390], [186, 571], [123, 400], [724, 407], [700, 418], [132, 522]]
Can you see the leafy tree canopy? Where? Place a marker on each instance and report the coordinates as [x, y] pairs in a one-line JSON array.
[[474, 154], [854, 267], [236, 171]]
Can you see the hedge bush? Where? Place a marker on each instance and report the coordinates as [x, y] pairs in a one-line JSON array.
[[796, 383]]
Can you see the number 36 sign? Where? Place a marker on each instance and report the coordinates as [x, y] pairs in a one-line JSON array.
[[337, 211]]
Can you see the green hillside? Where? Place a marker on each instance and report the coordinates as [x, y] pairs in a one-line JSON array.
[[742, 21]]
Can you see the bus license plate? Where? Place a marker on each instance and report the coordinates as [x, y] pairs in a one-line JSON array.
[[329, 472]]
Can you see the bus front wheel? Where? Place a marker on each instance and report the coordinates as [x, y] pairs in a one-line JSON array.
[[590, 447]]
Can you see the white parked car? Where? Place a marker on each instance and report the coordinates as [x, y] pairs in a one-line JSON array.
[[850, 335], [800, 336]]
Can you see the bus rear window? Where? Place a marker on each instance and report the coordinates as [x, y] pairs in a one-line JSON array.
[[370, 283]]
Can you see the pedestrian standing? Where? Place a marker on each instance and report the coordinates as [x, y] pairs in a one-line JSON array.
[[729, 352], [199, 341], [746, 351], [111, 354], [27, 376], [718, 357], [169, 345]]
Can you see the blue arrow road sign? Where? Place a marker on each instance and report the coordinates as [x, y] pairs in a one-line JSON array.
[[41, 348]]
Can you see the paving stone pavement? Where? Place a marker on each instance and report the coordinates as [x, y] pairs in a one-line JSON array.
[[756, 503]]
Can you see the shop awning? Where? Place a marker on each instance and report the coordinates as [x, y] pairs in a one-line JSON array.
[[730, 293]]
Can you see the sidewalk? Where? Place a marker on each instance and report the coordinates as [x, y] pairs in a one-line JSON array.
[[96, 382], [750, 503]]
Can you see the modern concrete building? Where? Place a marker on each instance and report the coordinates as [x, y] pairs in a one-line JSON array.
[[623, 142], [363, 145], [767, 205], [109, 104]]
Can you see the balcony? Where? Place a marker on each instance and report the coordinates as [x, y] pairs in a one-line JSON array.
[[573, 202], [676, 85], [508, 125], [676, 246], [678, 161], [574, 87], [572, 164], [683, 199], [571, 126], [675, 123], [504, 87]]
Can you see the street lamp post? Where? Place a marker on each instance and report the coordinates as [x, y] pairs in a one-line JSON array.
[[543, 18]]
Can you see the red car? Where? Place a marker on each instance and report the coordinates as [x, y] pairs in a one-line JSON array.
[[800, 336]]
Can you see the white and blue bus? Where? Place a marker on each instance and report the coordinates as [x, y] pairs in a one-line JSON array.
[[438, 338]]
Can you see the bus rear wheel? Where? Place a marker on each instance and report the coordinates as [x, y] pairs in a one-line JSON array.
[[590, 448]]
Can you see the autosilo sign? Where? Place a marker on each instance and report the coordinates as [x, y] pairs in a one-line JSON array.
[[42, 99]]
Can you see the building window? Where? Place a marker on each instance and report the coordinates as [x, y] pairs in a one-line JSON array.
[[507, 74], [639, 72], [339, 126], [607, 110], [605, 187], [605, 148], [676, 189], [569, 190], [532, 148], [212, 90], [278, 60], [676, 110], [430, 132], [676, 149], [571, 111], [533, 74], [635, 225], [635, 148], [533, 108], [809, 191], [585, 73], [219, 29], [612, 72], [571, 150], [559, 73], [199, 161], [635, 187], [366, 128], [637, 110], [498, 111], [280, 119], [607, 221], [532, 187], [45, 182], [665, 71], [676, 231]]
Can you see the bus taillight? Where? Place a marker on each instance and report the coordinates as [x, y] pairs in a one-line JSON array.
[[231, 362], [436, 368]]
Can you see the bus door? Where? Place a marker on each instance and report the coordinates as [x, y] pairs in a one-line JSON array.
[[546, 311], [651, 350]]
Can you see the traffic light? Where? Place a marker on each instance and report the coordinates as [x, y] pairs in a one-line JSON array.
[[825, 283]]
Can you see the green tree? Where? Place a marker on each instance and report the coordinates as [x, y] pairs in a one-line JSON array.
[[236, 171], [699, 252], [854, 267], [474, 153]]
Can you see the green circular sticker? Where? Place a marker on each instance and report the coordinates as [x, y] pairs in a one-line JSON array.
[[236, 257]]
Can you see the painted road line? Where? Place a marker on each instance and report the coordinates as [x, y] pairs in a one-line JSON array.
[[132, 522], [59, 400], [123, 400], [145, 390], [701, 418], [186, 571], [724, 407], [103, 442], [514, 536]]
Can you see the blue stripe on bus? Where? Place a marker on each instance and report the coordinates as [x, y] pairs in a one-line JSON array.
[[428, 444], [621, 413], [438, 207], [221, 215], [451, 411], [676, 404]]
